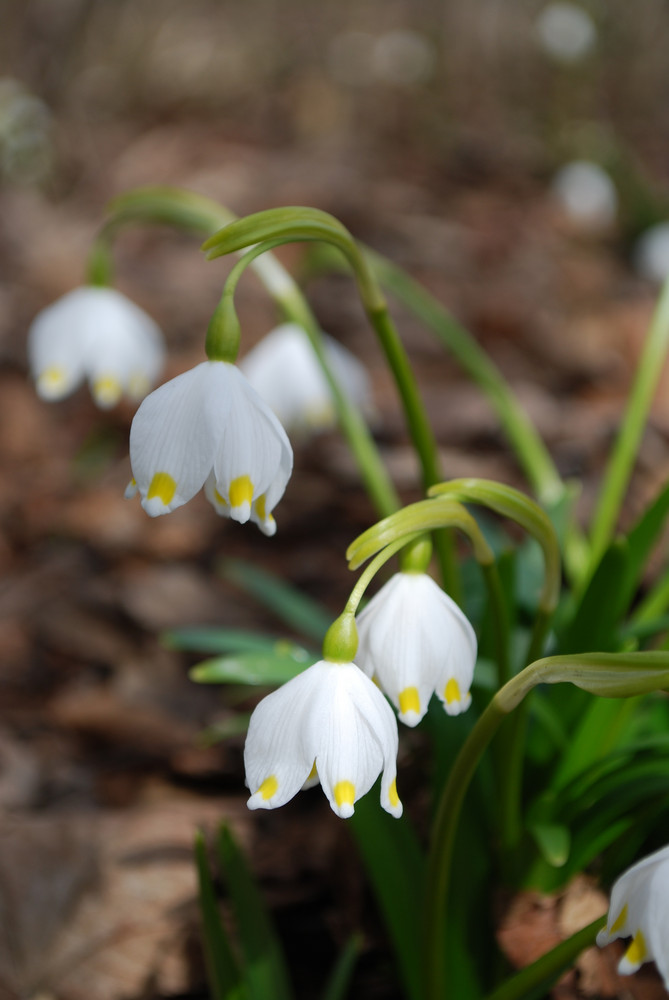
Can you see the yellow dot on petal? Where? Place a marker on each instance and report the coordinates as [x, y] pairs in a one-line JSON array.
[[313, 773], [162, 486], [393, 797], [268, 787], [637, 951], [220, 499], [452, 691], [620, 920], [107, 390], [260, 507], [241, 491], [344, 793], [409, 700], [52, 379]]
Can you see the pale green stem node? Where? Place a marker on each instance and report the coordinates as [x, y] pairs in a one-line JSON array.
[[341, 640]]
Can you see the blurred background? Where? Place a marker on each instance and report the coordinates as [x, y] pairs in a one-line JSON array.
[[510, 155]]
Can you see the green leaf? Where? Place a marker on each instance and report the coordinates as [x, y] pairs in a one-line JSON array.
[[223, 971], [553, 840], [640, 542], [394, 866], [216, 640], [265, 668], [340, 977], [265, 970], [292, 606], [593, 625]]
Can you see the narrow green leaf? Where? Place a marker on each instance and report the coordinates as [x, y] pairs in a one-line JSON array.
[[535, 980], [594, 622], [223, 972], [270, 667], [265, 970], [597, 734], [205, 639], [395, 868], [340, 977], [641, 541], [288, 603]]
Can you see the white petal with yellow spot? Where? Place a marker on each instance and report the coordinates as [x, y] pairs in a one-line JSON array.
[[208, 427], [330, 723], [416, 641], [639, 909], [98, 334]]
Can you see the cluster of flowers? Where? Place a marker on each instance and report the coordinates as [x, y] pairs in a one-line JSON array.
[[210, 428]]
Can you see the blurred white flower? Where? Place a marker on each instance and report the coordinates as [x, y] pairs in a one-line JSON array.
[[26, 152], [98, 334], [331, 723], [209, 427], [416, 641], [651, 253], [587, 194], [403, 57], [566, 31], [284, 370], [639, 909]]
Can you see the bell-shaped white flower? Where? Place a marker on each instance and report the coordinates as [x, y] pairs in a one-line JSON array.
[[284, 370], [332, 723], [209, 427], [415, 641], [99, 334], [639, 909]]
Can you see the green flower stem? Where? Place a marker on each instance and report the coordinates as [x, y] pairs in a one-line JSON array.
[[500, 620], [535, 979], [370, 572], [300, 224], [614, 675], [195, 213], [530, 449], [626, 447]]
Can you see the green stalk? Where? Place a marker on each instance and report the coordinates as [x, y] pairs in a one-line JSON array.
[[624, 453], [530, 449], [195, 213]]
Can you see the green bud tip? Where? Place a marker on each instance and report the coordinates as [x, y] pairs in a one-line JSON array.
[[341, 640]]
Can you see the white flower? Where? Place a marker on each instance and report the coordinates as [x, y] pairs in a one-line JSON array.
[[639, 909], [209, 427], [651, 253], [415, 641], [284, 370], [566, 31], [332, 723], [586, 193], [99, 334]]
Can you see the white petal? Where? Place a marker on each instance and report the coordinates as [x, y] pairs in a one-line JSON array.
[[276, 759], [253, 457], [56, 345], [124, 347], [174, 436], [352, 733]]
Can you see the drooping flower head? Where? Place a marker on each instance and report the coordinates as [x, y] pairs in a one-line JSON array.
[[416, 641], [284, 370], [208, 427], [639, 909], [332, 724], [97, 334]]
